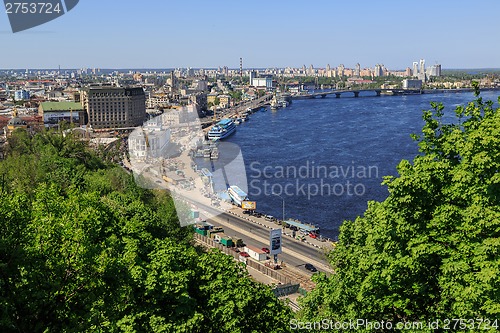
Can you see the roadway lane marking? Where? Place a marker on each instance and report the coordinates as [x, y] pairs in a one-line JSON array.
[[265, 241]]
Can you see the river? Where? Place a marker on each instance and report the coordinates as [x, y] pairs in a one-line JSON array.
[[327, 157]]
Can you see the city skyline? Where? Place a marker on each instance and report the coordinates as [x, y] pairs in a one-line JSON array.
[[311, 70], [116, 35]]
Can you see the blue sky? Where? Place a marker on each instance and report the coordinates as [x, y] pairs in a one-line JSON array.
[[272, 33]]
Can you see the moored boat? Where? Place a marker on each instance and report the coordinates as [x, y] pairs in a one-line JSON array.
[[237, 195], [222, 130], [274, 104]]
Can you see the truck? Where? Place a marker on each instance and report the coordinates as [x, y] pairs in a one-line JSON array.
[[238, 242], [226, 241], [200, 231], [216, 230]]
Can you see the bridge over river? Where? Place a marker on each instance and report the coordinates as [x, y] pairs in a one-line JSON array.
[[264, 100], [356, 92], [380, 91]]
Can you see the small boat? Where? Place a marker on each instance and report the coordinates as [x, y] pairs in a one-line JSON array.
[[244, 116], [274, 104]]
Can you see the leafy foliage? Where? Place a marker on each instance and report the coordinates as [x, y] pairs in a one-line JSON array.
[[431, 250], [83, 249]]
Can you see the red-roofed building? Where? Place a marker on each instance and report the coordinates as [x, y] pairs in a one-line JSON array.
[[34, 123]]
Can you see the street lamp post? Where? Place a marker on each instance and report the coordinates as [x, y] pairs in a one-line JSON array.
[[283, 205]]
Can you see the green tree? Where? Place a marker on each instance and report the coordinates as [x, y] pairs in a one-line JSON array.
[[431, 249], [236, 95], [234, 303], [84, 249]]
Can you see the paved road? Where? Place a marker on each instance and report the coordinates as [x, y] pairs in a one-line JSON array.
[[294, 253], [256, 235]]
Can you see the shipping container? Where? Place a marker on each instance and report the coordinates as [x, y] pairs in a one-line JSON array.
[[200, 231]]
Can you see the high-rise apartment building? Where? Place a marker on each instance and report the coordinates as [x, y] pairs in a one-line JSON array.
[[114, 107], [422, 66], [435, 70], [415, 68], [379, 70], [340, 70]]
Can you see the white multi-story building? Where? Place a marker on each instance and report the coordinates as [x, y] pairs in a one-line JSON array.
[[434, 70], [149, 141], [262, 82], [422, 66], [379, 70], [22, 95], [158, 101], [412, 84]]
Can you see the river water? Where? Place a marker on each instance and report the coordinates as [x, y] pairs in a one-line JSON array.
[[327, 157]]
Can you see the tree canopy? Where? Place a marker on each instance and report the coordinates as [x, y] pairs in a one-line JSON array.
[[83, 249], [431, 250]]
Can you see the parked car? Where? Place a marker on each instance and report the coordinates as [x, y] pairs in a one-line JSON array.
[[313, 235], [265, 249], [310, 267], [246, 212], [244, 254]]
